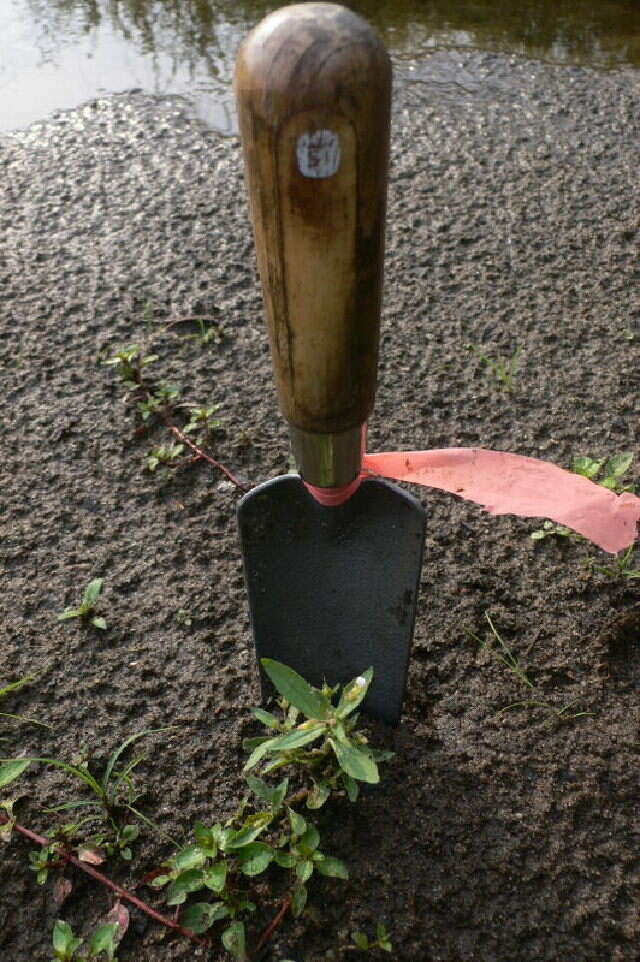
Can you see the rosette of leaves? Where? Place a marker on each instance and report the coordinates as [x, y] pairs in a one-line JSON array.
[[159, 401], [325, 743], [86, 608], [129, 363], [202, 422]]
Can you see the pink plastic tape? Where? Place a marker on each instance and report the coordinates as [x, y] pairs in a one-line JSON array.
[[332, 497], [509, 484]]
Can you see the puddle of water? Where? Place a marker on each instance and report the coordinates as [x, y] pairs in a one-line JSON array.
[[59, 53]]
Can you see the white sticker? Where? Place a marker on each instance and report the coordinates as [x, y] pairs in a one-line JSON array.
[[318, 153]]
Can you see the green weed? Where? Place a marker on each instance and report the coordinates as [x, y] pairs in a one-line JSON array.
[[506, 657], [86, 608], [382, 940], [619, 568], [501, 369], [267, 832], [129, 362], [103, 942], [114, 800], [16, 686]]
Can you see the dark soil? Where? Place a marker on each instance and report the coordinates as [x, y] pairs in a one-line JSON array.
[[496, 835]]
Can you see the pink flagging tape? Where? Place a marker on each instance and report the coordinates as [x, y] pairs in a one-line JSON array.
[[509, 484], [332, 497]]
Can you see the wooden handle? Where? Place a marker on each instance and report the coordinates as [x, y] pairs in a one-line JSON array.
[[313, 87]]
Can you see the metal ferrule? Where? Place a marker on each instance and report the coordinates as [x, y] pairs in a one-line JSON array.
[[328, 460]]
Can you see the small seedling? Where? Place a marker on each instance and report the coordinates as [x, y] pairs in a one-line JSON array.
[[114, 801], [86, 608], [202, 422], [213, 334], [504, 654], [502, 369], [183, 617], [607, 472], [165, 455], [103, 943], [551, 529], [159, 401], [619, 568], [365, 944], [129, 363]]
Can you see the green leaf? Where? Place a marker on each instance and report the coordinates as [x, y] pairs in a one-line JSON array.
[[104, 939], [296, 690], [298, 824], [353, 693], [304, 870], [205, 837], [298, 900], [233, 939], [318, 795], [201, 915], [359, 764], [254, 825], [619, 463], [113, 758], [310, 840], [266, 718], [351, 786], [274, 796], [297, 738], [98, 622], [215, 878], [92, 593], [360, 940], [64, 943], [70, 613], [587, 467], [188, 858], [259, 751], [254, 859], [285, 859], [11, 770], [189, 881], [333, 867]]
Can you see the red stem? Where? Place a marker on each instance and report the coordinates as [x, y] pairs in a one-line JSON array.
[[121, 892], [273, 924], [205, 457]]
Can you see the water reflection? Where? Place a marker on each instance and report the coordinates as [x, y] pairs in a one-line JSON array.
[[58, 53]]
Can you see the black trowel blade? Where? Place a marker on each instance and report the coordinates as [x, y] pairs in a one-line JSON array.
[[333, 590]]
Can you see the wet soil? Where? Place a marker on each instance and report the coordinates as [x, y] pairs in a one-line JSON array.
[[506, 827]]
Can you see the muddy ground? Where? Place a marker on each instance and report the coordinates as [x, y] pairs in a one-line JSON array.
[[496, 835]]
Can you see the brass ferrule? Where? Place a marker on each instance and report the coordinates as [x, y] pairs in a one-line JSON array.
[[328, 460]]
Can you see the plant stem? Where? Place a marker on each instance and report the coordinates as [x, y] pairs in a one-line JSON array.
[[99, 877], [205, 457], [273, 925]]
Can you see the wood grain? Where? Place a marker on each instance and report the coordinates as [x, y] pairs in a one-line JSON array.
[[318, 72]]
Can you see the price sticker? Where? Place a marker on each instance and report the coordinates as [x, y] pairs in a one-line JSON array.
[[318, 153]]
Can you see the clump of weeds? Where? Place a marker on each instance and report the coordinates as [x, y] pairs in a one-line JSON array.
[[86, 609], [191, 427], [270, 844]]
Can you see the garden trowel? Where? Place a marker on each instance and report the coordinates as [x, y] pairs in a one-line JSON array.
[[332, 565]]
